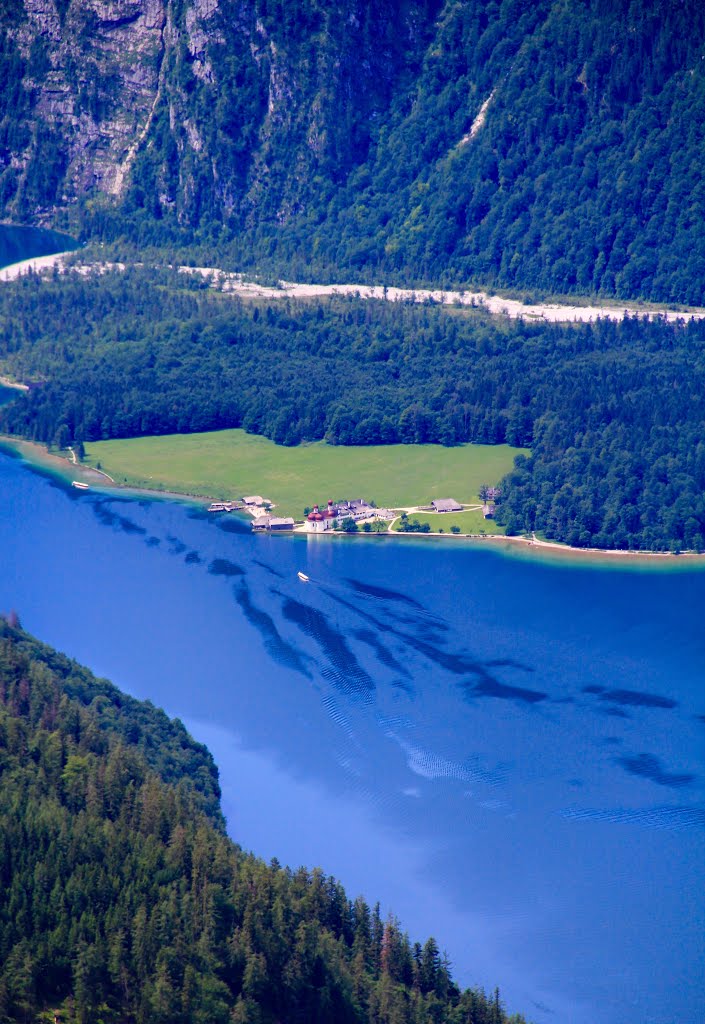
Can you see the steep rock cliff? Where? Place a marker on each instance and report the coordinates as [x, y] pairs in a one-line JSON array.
[[203, 107]]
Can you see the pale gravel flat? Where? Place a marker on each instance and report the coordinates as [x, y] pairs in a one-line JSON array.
[[513, 308]]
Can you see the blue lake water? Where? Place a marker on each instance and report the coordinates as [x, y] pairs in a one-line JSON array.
[[508, 754], [20, 242]]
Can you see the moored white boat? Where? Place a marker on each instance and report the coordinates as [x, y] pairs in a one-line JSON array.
[[303, 576]]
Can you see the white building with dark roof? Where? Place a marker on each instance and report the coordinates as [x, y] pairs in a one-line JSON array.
[[277, 523], [446, 505]]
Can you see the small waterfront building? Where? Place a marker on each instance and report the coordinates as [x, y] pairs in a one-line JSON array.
[[254, 499], [261, 523], [276, 523], [446, 505]]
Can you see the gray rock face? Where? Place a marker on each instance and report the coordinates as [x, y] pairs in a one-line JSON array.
[[210, 108], [94, 77], [95, 84]]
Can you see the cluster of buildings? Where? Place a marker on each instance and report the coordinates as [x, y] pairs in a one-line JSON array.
[[323, 518], [332, 515], [258, 507], [320, 518]]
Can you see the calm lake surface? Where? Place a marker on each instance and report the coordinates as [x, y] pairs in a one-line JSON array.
[[18, 242], [507, 754]]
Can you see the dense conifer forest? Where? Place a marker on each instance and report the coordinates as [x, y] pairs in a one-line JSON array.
[[122, 899], [613, 412]]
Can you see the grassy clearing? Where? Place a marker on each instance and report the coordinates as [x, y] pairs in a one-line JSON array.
[[467, 522], [230, 463]]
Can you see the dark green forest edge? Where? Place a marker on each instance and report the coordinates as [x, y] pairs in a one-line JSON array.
[[122, 899], [613, 412]]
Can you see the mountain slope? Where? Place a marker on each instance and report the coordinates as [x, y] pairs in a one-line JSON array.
[[122, 900], [339, 134], [207, 109]]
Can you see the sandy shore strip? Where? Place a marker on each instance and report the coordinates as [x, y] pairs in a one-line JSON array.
[[5, 382], [36, 265], [552, 312]]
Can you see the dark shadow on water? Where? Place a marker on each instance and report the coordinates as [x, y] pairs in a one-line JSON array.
[[192, 558], [614, 712], [278, 649], [349, 675], [457, 663], [426, 628], [637, 699], [233, 526], [400, 684], [383, 653], [153, 542], [108, 517], [631, 698], [176, 546], [647, 766], [269, 568], [509, 663], [492, 688], [370, 590], [223, 567], [426, 625]]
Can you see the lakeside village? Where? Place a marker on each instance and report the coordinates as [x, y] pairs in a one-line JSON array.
[[351, 515]]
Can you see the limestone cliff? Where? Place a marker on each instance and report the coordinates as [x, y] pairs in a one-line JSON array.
[[188, 105]]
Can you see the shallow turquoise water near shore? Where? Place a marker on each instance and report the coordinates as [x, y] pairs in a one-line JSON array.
[[509, 754]]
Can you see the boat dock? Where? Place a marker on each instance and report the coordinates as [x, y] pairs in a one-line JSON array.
[[226, 506]]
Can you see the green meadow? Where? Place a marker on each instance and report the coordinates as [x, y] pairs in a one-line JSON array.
[[227, 464], [471, 521]]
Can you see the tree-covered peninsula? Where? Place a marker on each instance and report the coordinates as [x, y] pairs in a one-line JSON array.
[[123, 900], [612, 411]]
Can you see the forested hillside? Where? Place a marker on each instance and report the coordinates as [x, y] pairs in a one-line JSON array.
[[613, 412], [340, 137], [121, 898]]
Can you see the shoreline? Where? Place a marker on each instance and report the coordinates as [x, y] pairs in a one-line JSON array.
[[36, 457], [15, 385]]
